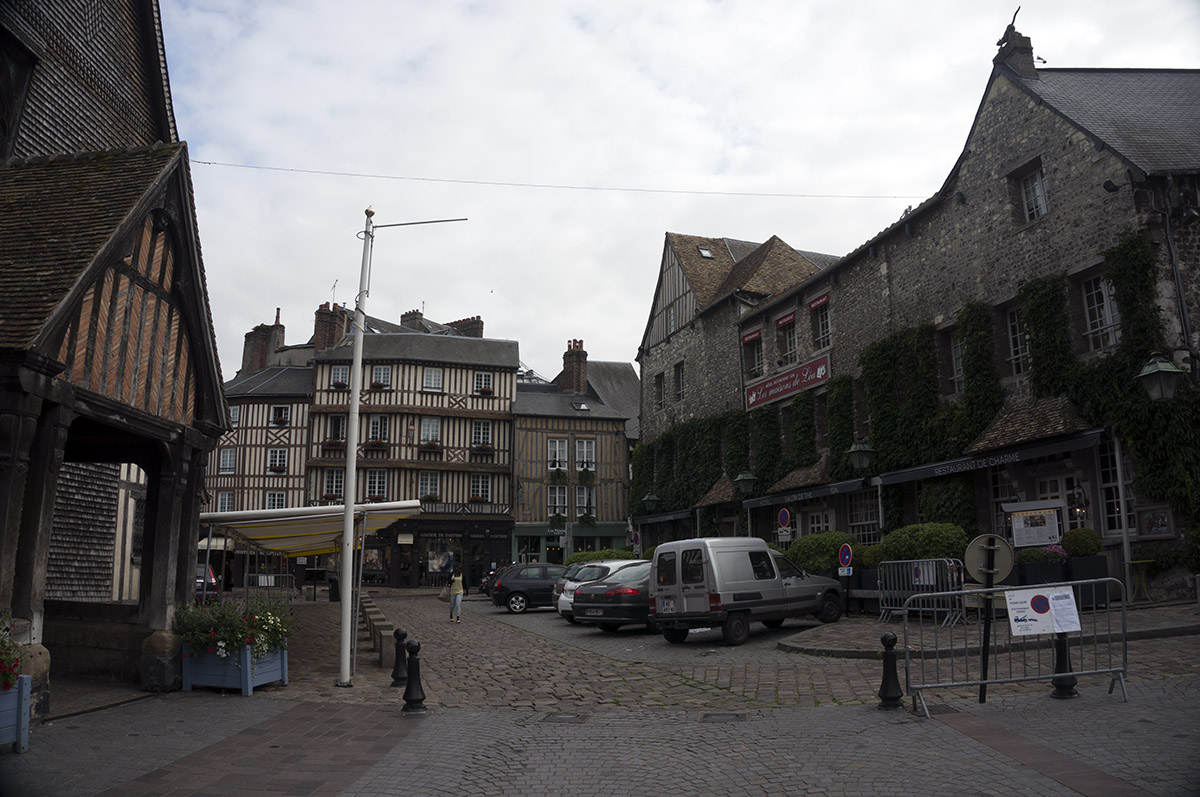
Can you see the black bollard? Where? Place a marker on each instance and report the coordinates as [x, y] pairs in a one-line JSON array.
[[1064, 685], [414, 694], [891, 696], [400, 668]]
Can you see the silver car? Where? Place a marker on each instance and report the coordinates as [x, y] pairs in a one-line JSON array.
[[590, 571]]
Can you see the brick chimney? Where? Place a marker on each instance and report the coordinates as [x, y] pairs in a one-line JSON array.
[[1016, 51], [412, 319], [261, 343], [329, 326], [574, 373], [469, 327]]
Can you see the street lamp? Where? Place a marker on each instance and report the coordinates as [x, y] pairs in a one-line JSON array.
[[650, 501], [861, 455], [745, 482], [1158, 377]]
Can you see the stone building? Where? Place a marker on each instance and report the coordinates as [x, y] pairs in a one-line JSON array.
[[986, 344], [111, 389]]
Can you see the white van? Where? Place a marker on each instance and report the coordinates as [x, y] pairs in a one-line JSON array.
[[730, 582]]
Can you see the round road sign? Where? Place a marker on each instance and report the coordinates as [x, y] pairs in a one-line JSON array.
[[976, 557], [785, 518], [845, 554]]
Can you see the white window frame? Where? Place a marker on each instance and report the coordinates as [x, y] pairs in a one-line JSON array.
[[956, 362], [1032, 187], [339, 374], [556, 453], [432, 380], [431, 429], [822, 324], [277, 457], [556, 500], [377, 427], [863, 508], [429, 482], [670, 321], [753, 351], [377, 482], [1111, 491], [481, 486], [225, 501], [235, 416], [1018, 343], [381, 375], [585, 499], [1100, 311], [788, 349], [481, 433], [276, 500], [483, 381], [819, 520], [281, 411], [335, 481], [227, 461], [585, 454]]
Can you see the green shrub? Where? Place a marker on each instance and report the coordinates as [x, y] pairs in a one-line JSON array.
[[868, 556], [1046, 555], [1163, 556], [648, 553], [596, 556], [817, 553], [1081, 542], [924, 541]]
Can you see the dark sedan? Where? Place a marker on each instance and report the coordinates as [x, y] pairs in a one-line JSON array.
[[522, 587], [622, 598]]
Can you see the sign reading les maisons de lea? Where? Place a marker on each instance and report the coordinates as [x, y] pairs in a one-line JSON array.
[[780, 386]]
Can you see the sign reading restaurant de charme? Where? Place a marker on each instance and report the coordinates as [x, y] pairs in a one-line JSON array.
[[780, 386]]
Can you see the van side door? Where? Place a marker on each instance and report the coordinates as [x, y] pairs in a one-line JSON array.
[[802, 595], [693, 580]]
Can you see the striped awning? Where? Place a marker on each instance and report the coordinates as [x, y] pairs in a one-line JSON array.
[[307, 530]]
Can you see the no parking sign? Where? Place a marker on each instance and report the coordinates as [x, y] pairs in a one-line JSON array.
[[1042, 611]]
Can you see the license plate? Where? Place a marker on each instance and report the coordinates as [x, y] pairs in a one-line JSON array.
[[667, 606], [594, 612]]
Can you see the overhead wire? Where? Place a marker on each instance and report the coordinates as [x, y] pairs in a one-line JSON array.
[[551, 186]]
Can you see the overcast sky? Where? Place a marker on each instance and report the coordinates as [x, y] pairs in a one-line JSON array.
[[817, 121]]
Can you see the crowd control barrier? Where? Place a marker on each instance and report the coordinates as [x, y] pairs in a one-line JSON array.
[[899, 581], [985, 650]]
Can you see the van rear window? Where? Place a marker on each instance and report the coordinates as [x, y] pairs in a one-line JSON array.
[[692, 566], [664, 574]]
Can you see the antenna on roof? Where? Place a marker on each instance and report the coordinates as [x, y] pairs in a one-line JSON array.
[[333, 291]]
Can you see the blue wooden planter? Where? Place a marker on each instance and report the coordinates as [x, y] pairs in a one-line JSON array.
[[233, 672], [14, 715]]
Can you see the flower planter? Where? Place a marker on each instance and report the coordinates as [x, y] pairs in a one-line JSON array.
[[1085, 568], [14, 715], [233, 672], [1041, 573]]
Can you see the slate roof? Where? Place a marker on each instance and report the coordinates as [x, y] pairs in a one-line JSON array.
[[1025, 419], [617, 385], [277, 380], [772, 267], [803, 477], [546, 400], [1150, 117], [720, 493], [56, 215], [455, 350]]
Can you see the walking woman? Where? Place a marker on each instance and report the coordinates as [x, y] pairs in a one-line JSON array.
[[458, 591]]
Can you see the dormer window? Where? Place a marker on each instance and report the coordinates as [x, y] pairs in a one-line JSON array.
[[580, 406], [705, 252]]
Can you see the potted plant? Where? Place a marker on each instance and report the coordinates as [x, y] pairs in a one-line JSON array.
[[378, 385], [484, 391], [338, 385], [14, 690], [430, 498], [375, 444], [482, 448], [586, 476], [1044, 565], [558, 476], [477, 499], [1086, 561], [331, 497], [558, 521], [279, 420], [376, 498], [278, 469], [587, 520], [231, 644], [430, 445]]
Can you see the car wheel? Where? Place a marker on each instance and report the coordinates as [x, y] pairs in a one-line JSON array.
[[736, 629], [831, 609], [773, 623], [570, 618], [675, 635], [516, 603]]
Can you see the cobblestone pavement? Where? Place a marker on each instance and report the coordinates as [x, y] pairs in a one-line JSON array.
[[529, 705]]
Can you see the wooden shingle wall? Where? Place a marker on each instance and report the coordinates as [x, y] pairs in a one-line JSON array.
[[84, 533]]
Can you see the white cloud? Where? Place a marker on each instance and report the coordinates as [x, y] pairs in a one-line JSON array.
[[874, 98]]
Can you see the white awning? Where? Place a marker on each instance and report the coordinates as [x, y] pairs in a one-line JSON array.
[[306, 530]]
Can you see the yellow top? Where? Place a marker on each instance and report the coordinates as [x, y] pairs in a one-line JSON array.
[[456, 585]]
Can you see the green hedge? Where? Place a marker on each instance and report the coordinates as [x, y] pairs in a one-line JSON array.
[[596, 556], [1081, 542], [924, 541], [817, 553]]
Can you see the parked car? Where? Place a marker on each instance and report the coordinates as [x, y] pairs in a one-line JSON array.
[[729, 582], [206, 581], [522, 587], [564, 588], [485, 583], [621, 598]]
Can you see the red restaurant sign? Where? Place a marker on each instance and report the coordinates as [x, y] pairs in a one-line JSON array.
[[802, 377]]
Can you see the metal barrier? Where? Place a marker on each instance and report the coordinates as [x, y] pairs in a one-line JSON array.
[[270, 580], [939, 656], [899, 581]]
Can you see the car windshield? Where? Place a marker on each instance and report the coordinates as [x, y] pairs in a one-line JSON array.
[[572, 570], [590, 573]]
